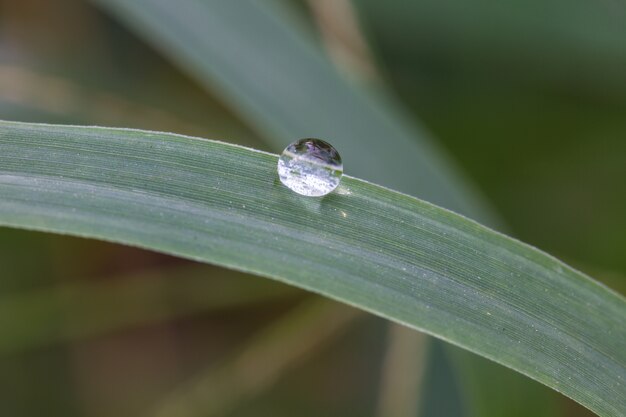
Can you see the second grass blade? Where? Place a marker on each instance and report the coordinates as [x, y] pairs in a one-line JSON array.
[[271, 74]]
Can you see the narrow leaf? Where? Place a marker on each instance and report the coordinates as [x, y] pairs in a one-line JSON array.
[[385, 252], [253, 54]]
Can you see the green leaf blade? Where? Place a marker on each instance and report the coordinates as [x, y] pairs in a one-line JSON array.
[[365, 245], [273, 75]]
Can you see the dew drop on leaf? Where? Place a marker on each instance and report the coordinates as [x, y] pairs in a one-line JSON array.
[[310, 167]]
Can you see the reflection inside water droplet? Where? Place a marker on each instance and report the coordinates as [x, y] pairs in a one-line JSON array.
[[310, 167]]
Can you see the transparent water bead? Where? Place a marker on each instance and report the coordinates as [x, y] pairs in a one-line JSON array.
[[310, 167]]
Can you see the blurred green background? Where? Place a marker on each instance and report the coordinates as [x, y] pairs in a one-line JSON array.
[[528, 98]]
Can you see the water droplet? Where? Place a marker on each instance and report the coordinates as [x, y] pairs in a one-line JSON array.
[[310, 167]]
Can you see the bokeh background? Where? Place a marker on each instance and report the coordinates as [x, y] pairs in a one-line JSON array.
[[527, 98]]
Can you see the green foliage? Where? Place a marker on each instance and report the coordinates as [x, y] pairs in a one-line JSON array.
[[365, 245], [528, 97]]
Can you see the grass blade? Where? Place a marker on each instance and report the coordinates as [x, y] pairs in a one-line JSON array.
[[402, 373], [272, 74], [385, 252]]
